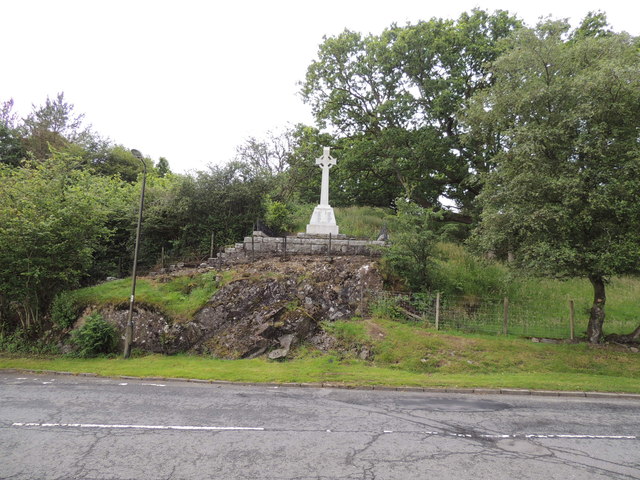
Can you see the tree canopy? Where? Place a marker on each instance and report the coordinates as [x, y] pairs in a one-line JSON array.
[[394, 102], [564, 195]]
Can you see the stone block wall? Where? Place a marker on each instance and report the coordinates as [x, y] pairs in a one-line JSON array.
[[302, 244]]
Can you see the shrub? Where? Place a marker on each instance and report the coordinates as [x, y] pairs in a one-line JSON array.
[[63, 310], [414, 234], [95, 337], [278, 215]]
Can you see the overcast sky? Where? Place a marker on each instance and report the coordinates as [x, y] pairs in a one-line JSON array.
[[190, 80]]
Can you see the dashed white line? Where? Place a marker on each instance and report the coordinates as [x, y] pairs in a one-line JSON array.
[[597, 437], [137, 427], [262, 429]]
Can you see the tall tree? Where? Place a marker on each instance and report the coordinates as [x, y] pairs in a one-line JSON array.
[[565, 193], [394, 101], [54, 217], [55, 125], [11, 148]]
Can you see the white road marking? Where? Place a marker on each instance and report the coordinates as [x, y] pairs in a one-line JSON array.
[[123, 384], [153, 384], [598, 437], [140, 427], [262, 429]]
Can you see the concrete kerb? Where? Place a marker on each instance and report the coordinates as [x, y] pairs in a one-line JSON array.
[[467, 391]]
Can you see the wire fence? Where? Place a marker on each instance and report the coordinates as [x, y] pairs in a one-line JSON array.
[[494, 316]]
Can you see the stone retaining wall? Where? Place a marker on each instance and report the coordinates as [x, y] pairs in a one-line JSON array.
[[302, 244]]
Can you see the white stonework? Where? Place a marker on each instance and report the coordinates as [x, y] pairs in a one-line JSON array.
[[323, 221]]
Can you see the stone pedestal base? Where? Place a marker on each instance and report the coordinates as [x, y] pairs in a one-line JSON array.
[[323, 221]]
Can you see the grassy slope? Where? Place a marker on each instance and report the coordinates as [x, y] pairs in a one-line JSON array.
[[404, 355], [180, 297], [353, 221]]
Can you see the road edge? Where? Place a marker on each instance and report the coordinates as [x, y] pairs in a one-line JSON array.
[[477, 391]]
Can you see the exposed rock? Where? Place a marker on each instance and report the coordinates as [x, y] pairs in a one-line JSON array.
[[269, 307]]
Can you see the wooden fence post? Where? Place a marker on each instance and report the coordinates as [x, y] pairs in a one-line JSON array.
[[211, 249], [162, 258], [437, 310], [505, 318], [572, 320]]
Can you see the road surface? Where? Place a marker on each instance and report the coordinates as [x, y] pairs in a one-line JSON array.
[[66, 427]]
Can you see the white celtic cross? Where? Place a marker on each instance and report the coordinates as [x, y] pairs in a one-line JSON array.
[[326, 161]]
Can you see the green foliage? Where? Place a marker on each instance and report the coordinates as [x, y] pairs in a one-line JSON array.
[[278, 215], [395, 99], [163, 167], [564, 197], [64, 310], [180, 297], [53, 220], [350, 334], [460, 272], [21, 342], [119, 161], [182, 212], [413, 235], [95, 337], [363, 222], [11, 150], [386, 306]]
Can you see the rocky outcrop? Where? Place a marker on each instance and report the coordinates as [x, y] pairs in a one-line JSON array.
[[269, 307]]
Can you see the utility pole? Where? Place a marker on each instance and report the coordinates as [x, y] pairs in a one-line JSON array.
[[128, 336]]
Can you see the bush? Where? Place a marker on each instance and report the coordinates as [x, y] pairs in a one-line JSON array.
[[21, 342], [63, 310], [414, 234], [278, 215], [95, 337]]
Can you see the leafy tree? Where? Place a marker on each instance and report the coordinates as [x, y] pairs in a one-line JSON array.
[[182, 211], [163, 167], [565, 194], [287, 159], [119, 161], [414, 234], [269, 155], [11, 148], [53, 220], [55, 126], [394, 101]]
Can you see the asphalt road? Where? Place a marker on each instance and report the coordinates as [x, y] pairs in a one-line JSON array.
[[65, 427]]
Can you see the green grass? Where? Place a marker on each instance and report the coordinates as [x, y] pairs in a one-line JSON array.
[[180, 297], [537, 306], [363, 222], [410, 355]]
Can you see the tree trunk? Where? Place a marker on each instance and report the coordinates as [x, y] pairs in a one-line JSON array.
[[596, 318]]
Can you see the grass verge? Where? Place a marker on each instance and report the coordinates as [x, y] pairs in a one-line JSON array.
[[405, 355]]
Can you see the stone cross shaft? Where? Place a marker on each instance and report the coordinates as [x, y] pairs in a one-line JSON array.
[[326, 161]]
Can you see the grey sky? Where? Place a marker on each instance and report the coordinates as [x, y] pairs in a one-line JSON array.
[[190, 80]]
